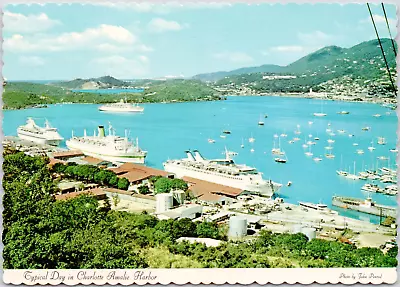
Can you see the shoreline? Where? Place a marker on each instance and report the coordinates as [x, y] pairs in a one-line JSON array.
[[317, 96]]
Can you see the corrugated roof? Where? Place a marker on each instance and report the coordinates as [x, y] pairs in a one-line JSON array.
[[93, 160], [209, 191], [94, 192], [69, 153], [134, 172]]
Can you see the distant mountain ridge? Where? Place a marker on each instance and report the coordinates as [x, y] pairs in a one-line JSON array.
[[326, 57], [104, 82]]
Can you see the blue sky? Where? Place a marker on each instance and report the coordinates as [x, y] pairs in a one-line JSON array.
[[52, 42]]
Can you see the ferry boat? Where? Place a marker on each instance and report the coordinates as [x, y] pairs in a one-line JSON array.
[[121, 107], [365, 206], [41, 135], [222, 171], [109, 147]]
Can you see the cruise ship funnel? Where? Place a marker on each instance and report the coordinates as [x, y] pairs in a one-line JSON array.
[[190, 156], [198, 156]]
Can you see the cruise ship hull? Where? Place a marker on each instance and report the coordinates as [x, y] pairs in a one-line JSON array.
[[107, 155], [38, 139], [116, 110], [266, 188]]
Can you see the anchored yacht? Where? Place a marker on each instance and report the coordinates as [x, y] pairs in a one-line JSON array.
[[222, 171], [41, 135]]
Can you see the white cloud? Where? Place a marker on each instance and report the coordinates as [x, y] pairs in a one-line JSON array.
[[31, 61], [316, 37], [379, 19], [163, 8], [19, 23], [159, 25], [288, 49], [105, 38], [235, 57], [122, 67]]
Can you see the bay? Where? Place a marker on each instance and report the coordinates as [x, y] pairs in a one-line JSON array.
[[167, 130], [109, 91]]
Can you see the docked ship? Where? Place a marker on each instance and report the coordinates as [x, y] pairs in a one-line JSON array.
[[109, 147], [222, 171], [121, 107], [41, 135], [365, 206]]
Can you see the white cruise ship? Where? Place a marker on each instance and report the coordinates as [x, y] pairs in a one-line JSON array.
[[41, 135], [122, 107], [108, 147], [222, 171]]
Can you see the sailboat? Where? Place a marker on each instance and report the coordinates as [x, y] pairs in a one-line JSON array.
[[321, 114], [353, 176], [309, 153], [242, 145], [281, 159], [330, 155], [251, 139], [278, 150], [381, 140], [297, 132], [371, 148], [341, 172], [260, 122]]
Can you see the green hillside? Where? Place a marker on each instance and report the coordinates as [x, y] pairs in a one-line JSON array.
[[360, 68], [20, 95]]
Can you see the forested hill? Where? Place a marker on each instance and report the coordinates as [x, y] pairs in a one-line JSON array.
[[92, 83], [364, 59]]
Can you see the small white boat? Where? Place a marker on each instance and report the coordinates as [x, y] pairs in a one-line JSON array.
[[251, 140], [360, 151], [260, 122], [355, 144], [222, 136], [371, 148], [342, 172], [316, 138], [393, 150], [343, 113], [283, 135], [350, 135], [305, 145], [383, 158], [310, 123], [291, 142], [332, 134], [308, 153], [328, 147], [330, 141], [328, 130], [377, 115], [317, 159], [320, 115], [341, 131], [252, 150], [296, 139], [211, 141], [381, 140], [242, 145], [280, 160], [365, 128]]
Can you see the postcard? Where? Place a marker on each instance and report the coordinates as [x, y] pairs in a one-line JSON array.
[[199, 142]]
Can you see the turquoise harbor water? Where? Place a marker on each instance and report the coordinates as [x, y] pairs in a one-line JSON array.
[[167, 130], [110, 91]]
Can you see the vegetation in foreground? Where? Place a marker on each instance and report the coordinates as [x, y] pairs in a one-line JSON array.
[[19, 95], [41, 233]]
